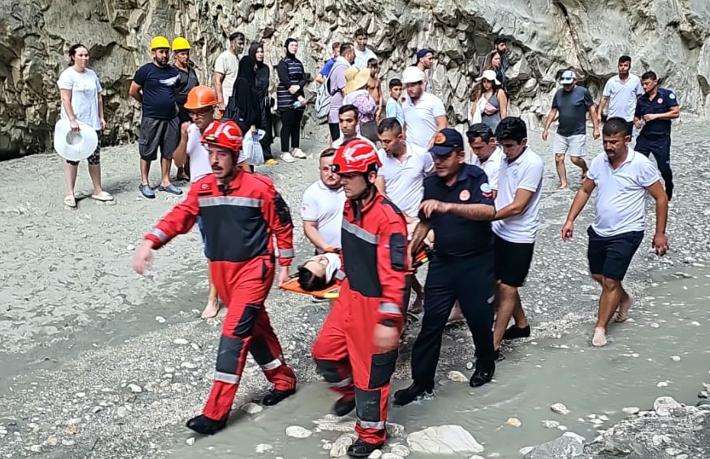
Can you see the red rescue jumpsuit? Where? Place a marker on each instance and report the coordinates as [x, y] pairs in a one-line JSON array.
[[375, 261], [240, 222]]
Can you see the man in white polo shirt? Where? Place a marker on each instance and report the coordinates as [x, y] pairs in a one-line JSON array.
[[424, 113], [487, 153], [624, 179], [620, 93], [322, 207], [401, 179], [516, 223]]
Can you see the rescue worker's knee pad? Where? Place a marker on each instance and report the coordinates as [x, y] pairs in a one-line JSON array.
[[382, 368], [328, 370], [245, 325]]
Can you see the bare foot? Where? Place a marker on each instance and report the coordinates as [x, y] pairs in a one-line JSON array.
[[563, 188], [599, 338], [211, 310], [622, 311]]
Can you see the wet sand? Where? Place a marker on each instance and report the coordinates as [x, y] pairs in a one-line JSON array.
[[98, 362]]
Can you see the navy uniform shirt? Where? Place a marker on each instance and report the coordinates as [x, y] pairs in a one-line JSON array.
[[457, 236], [662, 103]]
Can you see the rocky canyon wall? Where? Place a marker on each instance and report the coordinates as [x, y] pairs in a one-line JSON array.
[[671, 37]]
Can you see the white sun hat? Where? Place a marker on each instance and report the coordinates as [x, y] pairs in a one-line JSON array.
[[74, 146]]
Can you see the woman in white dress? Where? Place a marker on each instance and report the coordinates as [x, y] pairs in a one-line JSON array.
[[80, 91]]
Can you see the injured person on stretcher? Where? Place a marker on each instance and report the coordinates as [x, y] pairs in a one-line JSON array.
[[319, 272]]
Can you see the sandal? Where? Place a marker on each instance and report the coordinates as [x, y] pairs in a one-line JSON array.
[[103, 196], [70, 201]]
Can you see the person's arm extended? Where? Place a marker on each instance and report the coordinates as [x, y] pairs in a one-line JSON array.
[[68, 109], [548, 122], [441, 122], [520, 203], [310, 229], [595, 120], [580, 200], [478, 212], [602, 106], [660, 240], [135, 92], [503, 102], [418, 236], [180, 153], [218, 80], [671, 114]]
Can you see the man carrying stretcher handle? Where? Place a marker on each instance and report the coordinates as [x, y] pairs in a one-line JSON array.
[[241, 214]]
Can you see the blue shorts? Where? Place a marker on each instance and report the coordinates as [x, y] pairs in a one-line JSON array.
[[611, 256], [201, 226]]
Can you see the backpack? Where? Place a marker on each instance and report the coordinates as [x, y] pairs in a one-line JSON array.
[[323, 96]]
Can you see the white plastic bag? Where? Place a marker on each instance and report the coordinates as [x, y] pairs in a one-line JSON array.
[[252, 148]]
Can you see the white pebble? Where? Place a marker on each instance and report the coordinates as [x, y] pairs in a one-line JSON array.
[[261, 448], [135, 388], [559, 408], [298, 432], [513, 422], [180, 341], [456, 376], [190, 441], [675, 358], [160, 319], [252, 408]]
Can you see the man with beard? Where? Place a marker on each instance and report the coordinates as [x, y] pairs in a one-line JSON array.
[[620, 93], [153, 86], [226, 67], [425, 61], [187, 79], [624, 179], [322, 207], [458, 206], [245, 220], [424, 113]]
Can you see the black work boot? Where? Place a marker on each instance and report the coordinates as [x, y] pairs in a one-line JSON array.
[[343, 406], [482, 374], [206, 426], [363, 449], [275, 396], [405, 396]]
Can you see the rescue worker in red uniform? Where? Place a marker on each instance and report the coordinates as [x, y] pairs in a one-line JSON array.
[[241, 214], [356, 349]]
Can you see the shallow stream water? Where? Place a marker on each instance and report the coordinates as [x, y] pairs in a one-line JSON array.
[[663, 350]]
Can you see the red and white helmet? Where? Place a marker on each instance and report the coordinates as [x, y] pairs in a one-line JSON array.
[[225, 134], [356, 156]]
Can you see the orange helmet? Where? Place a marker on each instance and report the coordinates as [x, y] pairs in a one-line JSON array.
[[356, 156], [200, 97], [225, 134]]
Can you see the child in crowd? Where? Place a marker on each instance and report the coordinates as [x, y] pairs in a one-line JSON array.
[[393, 108]]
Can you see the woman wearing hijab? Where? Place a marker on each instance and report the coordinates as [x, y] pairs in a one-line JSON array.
[[291, 101], [256, 52], [243, 105]]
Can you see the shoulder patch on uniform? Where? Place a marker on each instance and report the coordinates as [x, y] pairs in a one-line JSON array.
[[486, 190], [671, 96]]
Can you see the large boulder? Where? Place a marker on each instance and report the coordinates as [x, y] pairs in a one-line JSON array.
[[668, 36]]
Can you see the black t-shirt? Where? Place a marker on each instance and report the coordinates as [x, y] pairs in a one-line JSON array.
[[158, 85], [457, 236]]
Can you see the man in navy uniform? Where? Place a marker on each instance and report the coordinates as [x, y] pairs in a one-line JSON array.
[[458, 206], [654, 112]]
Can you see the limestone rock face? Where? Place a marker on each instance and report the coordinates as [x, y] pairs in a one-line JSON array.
[[669, 36]]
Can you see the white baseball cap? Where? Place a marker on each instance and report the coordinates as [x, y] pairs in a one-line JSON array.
[[568, 77], [412, 74], [71, 145]]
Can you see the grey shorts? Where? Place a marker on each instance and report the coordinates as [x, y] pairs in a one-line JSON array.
[[156, 133], [573, 145]]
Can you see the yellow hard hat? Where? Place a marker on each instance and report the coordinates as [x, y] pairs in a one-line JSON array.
[[159, 42], [180, 44]]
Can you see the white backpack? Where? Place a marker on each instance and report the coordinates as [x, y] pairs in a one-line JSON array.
[[323, 96]]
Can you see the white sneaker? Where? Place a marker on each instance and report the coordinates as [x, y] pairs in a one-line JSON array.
[[298, 153], [287, 157]]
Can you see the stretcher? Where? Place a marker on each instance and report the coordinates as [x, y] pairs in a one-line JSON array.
[[331, 292]]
